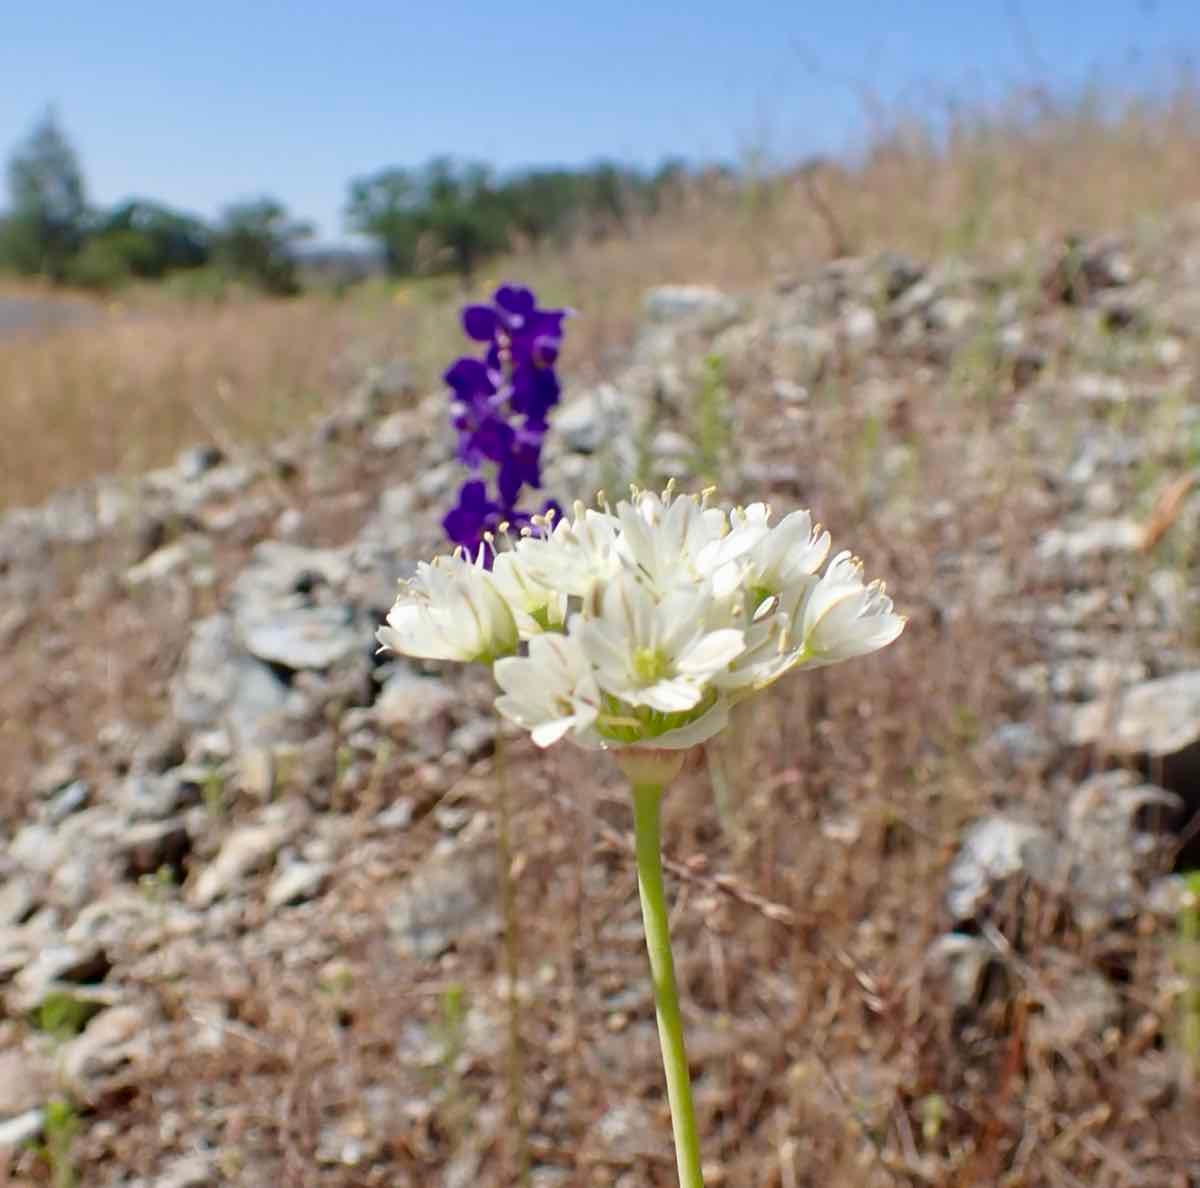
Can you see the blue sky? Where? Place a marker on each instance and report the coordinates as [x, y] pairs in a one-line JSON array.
[[198, 104]]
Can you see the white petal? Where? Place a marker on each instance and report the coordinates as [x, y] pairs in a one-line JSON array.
[[712, 652]]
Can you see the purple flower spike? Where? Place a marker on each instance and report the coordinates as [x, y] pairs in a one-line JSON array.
[[479, 322], [499, 408]]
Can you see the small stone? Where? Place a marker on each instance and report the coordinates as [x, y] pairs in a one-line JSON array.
[[1157, 721], [196, 461], [297, 882], [113, 1039], [692, 304], [1019, 746], [55, 966], [972, 968], [197, 1170], [398, 815], [1101, 538], [993, 851], [474, 739], [860, 328], [410, 700], [151, 846], [449, 897], [17, 901], [176, 558], [68, 800], [26, 1080], [316, 637], [1078, 1006], [56, 774], [20, 1131], [245, 850]]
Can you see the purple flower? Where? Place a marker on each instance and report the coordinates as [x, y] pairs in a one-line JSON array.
[[473, 515], [499, 408]]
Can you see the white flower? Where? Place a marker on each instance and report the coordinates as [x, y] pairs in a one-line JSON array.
[[578, 553], [652, 652], [844, 618], [783, 558], [670, 541], [550, 691], [535, 607], [451, 610]]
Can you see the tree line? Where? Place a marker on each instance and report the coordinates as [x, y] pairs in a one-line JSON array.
[[444, 217]]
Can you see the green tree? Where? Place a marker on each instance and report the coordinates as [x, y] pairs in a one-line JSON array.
[[444, 217], [256, 243], [385, 208], [464, 214], [47, 203], [172, 240]]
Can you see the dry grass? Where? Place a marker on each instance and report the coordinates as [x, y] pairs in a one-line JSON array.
[[156, 375]]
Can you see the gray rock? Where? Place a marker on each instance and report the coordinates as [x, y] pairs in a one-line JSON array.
[[622, 1135], [1077, 1005], [1117, 833], [297, 882], [218, 685], [315, 637], [407, 699], [197, 1170], [1019, 746], [951, 315], [398, 430], [398, 815], [971, 968], [23, 1129], [1101, 538], [17, 901], [993, 852], [151, 846], [26, 1080], [699, 305], [196, 461], [895, 274], [39, 848], [860, 328], [245, 851], [57, 966], [1156, 721], [113, 1040], [156, 797], [66, 801], [190, 556], [450, 897], [588, 423]]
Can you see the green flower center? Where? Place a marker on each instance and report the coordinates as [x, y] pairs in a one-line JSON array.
[[624, 723], [650, 665]]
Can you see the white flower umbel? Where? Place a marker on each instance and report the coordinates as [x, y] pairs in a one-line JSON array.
[[658, 615], [451, 610], [549, 692]]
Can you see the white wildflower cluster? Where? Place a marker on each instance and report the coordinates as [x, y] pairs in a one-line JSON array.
[[641, 625]]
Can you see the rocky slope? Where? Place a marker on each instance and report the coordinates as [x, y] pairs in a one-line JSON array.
[[250, 904]]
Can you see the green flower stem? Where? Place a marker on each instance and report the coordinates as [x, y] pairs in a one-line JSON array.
[[646, 801]]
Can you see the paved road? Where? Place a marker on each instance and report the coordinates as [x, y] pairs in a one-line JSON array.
[[24, 314]]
